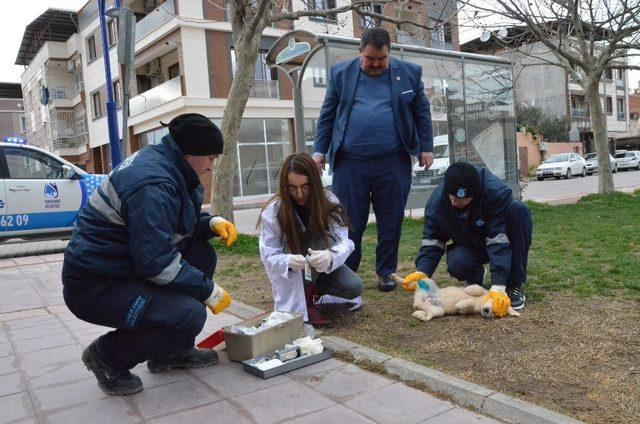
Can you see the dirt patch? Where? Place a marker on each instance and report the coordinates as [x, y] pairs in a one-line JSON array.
[[577, 356]]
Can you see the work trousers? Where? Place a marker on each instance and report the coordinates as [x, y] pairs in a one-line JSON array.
[[384, 183], [466, 263], [150, 321]]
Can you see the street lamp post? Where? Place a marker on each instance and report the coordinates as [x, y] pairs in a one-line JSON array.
[[112, 117]]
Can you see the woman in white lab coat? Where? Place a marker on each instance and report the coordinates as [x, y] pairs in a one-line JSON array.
[[304, 226]]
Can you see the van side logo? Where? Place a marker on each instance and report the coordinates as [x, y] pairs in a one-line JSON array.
[[51, 190]]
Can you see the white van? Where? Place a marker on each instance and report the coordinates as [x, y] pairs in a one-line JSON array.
[[435, 173]]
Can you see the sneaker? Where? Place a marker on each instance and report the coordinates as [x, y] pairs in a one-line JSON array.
[[192, 358], [386, 283], [516, 295], [111, 381]]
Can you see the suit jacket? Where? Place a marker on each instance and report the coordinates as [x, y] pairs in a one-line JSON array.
[[410, 107]]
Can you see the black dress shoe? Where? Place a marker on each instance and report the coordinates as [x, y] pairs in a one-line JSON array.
[[191, 358], [386, 283]]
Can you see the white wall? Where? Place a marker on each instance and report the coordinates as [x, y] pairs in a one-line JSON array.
[[194, 55]]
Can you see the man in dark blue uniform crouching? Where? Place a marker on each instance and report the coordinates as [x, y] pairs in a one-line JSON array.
[[475, 210], [139, 261]]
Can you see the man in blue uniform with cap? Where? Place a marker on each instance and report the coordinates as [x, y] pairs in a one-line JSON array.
[[475, 210], [139, 260]]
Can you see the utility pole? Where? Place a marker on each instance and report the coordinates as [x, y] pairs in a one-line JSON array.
[[112, 117]]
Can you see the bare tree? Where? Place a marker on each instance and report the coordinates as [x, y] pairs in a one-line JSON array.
[[585, 37], [248, 19]]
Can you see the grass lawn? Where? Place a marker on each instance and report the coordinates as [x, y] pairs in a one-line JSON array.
[[576, 347]]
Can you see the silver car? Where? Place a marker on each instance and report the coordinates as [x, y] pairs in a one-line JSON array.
[[592, 163], [628, 160]]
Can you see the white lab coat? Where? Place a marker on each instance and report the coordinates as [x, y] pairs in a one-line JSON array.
[[287, 286]]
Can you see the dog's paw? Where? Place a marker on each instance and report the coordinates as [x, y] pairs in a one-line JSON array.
[[422, 315], [513, 312]]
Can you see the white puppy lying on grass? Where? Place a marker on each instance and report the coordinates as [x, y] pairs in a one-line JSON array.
[[429, 301]]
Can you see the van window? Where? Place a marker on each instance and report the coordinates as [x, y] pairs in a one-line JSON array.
[[30, 164]]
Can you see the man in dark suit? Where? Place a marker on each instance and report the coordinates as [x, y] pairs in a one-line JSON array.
[[375, 115]]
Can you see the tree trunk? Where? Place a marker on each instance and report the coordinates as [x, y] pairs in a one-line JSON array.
[[599, 127], [246, 50]]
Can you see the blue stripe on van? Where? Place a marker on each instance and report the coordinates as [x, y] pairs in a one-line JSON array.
[[34, 221]]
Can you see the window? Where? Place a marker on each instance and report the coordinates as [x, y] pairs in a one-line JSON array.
[[29, 164], [622, 115], [609, 105], [96, 105], [112, 32], [440, 36], [369, 21], [117, 93], [23, 124], [319, 77], [174, 71], [91, 48], [608, 74], [265, 84], [322, 5]]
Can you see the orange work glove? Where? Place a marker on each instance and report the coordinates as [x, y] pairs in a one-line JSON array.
[[225, 229], [409, 282], [501, 302]]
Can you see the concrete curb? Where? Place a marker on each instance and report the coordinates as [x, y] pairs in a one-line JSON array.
[[464, 393]]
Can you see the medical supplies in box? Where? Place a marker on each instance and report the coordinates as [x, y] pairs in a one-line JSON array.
[[262, 334]]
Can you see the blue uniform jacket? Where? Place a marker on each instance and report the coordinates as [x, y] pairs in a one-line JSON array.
[[410, 107], [140, 219], [481, 226]]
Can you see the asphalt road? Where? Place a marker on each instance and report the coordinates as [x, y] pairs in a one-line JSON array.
[[551, 190]]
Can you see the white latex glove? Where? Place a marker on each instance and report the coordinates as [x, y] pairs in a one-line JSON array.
[[296, 262], [321, 260]]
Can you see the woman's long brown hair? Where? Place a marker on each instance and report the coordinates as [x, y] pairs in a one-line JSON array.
[[321, 210]]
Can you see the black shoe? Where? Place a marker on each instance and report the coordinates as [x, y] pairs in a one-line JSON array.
[[516, 295], [111, 381], [192, 358], [386, 283]]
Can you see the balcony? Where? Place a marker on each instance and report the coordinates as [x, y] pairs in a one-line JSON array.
[[622, 116], [579, 113], [156, 96], [65, 130], [153, 20], [264, 89]]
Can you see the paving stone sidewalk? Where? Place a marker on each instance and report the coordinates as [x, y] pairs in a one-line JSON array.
[[43, 380]]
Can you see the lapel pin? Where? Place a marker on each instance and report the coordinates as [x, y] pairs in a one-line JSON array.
[[398, 78]]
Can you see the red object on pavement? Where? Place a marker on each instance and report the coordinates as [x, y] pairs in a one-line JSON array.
[[212, 341]]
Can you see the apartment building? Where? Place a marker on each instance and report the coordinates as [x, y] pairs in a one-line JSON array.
[[552, 88], [185, 62], [13, 125]]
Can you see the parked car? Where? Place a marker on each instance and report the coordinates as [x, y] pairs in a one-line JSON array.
[[562, 165], [40, 193], [628, 160], [592, 163], [435, 173]]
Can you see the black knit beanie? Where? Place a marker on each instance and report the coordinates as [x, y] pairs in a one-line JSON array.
[[462, 180], [196, 135]]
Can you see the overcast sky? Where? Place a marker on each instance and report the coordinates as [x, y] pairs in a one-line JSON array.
[[20, 15], [16, 18]]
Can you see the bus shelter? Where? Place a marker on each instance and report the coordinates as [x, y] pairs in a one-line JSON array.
[[472, 101]]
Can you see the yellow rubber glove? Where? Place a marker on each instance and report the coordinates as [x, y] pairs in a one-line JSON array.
[[219, 300], [501, 302], [409, 282], [225, 229]]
